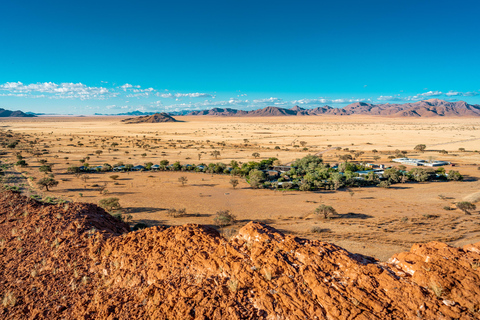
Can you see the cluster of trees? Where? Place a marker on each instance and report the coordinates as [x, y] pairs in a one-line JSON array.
[[233, 168], [310, 173]]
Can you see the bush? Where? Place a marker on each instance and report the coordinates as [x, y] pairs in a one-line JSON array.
[[325, 210], [110, 204], [224, 218], [21, 163], [454, 176], [384, 184], [317, 230], [139, 226]]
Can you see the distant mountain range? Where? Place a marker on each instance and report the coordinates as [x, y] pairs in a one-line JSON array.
[[425, 108], [7, 113]]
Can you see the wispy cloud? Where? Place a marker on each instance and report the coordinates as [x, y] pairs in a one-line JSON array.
[[427, 95], [320, 101], [185, 95]]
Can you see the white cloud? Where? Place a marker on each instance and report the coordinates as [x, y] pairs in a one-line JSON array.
[[427, 95], [57, 91], [164, 95], [269, 100], [462, 94], [327, 101], [185, 95]]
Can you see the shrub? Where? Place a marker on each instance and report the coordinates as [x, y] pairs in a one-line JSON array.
[[384, 184], [466, 206], [21, 163], [454, 176], [183, 180], [234, 182], [317, 230], [224, 218], [325, 210], [139, 226], [110, 204]]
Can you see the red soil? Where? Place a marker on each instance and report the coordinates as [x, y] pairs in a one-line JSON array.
[[74, 261]]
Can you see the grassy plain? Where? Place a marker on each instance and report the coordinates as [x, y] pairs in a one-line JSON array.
[[372, 221]]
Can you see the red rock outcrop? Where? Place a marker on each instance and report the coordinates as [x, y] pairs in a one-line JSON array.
[[72, 261]]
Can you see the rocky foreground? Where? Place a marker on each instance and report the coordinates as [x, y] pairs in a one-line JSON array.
[[75, 261]]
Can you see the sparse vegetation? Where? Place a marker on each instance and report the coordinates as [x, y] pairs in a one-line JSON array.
[[325, 210], [110, 204], [224, 218], [183, 180]]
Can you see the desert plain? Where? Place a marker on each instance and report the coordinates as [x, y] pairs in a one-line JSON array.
[[372, 221]]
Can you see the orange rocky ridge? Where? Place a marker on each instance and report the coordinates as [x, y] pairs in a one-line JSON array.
[[75, 261]]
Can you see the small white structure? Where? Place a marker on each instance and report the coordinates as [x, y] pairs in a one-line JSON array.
[[420, 162]]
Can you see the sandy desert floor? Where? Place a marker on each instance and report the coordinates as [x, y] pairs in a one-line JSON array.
[[372, 221]]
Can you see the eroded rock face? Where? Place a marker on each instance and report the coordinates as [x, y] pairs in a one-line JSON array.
[[75, 261]]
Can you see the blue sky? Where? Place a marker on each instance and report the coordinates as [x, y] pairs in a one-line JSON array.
[[83, 57]]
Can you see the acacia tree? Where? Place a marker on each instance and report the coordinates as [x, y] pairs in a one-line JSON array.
[[47, 183], [466, 206], [215, 153], [325, 210], [256, 177], [255, 155], [420, 147]]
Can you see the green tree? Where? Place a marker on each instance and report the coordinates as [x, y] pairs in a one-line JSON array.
[[256, 177], [418, 174], [305, 186], [325, 210], [47, 183], [45, 168], [256, 155], [73, 169], [21, 163], [392, 175], [454, 176], [420, 147], [234, 182]]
